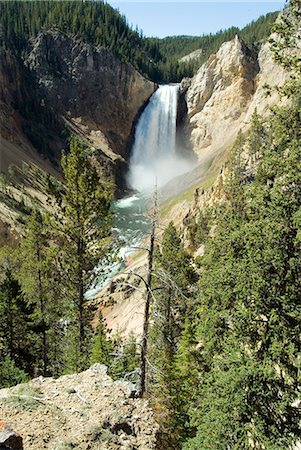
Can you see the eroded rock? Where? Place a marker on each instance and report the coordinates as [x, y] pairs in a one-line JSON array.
[[90, 87], [225, 92]]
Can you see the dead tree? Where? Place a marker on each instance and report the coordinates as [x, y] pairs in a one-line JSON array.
[[148, 285]]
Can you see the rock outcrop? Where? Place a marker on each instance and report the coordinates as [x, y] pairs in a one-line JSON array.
[[83, 411], [62, 83], [90, 87], [9, 439], [224, 93]]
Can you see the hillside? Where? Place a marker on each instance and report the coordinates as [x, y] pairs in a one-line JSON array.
[[175, 49], [195, 343], [98, 23], [219, 100], [37, 50], [81, 89]]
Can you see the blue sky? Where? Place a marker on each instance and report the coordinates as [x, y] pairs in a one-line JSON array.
[[166, 18]]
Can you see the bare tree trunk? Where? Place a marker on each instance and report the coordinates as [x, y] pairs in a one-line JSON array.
[[142, 387], [81, 303]]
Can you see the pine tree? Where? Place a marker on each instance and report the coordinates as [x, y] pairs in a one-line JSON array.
[[249, 326], [101, 345], [249, 294], [187, 377], [41, 284], [10, 374], [125, 362], [16, 334], [173, 303], [83, 225]]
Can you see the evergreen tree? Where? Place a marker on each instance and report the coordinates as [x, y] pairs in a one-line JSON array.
[[83, 225], [16, 336], [99, 24], [41, 284], [10, 374], [249, 326], [286, 47], [125, 357], [173, 303], [101, 345]]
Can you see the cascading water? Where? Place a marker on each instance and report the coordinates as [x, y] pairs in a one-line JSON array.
[[154, 159]]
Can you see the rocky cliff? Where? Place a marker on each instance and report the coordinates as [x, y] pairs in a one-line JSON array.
[[90, 87], [83, 411], [224, 93], [59, 86], [65, 84]]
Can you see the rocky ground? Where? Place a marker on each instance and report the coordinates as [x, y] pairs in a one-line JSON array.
[[82, 411]]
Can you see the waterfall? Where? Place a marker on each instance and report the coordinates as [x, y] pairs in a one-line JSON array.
[[154, 157]]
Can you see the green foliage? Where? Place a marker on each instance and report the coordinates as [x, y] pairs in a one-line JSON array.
[[238, 362], [198, 228], [10, 374], [41, 283], [99, 24], [93, 22], [173, 303], [125, 361], [83, 227], [16, 333], [187, 370], [287, 45], [172, 288], [173, 48], [26, 398], [249, 325], [47, 319], [101, 345]]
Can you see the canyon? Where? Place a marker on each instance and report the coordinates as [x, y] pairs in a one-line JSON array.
[[88, 91], [64, 86]]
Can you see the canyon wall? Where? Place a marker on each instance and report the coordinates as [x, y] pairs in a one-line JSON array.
[[224, 93], [62, 85]]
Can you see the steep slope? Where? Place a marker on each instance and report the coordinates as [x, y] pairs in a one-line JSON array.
[[225, 92], [89, 87], [65, 86], [66, 83]]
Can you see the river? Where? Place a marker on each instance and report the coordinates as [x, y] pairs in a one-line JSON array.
[[130, 226], [154, 160]]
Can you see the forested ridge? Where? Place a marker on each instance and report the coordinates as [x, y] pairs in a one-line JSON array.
[[173, 48], [98, 23], [223, 358]]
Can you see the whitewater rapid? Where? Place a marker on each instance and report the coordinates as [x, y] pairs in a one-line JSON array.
[[130, 226]]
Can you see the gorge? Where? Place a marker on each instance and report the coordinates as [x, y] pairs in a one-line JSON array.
[[113, 337], [154, 161]]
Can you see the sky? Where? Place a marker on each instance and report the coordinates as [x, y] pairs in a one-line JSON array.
[[167, 18]]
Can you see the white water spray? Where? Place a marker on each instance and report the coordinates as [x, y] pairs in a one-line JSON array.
[[154, 159]]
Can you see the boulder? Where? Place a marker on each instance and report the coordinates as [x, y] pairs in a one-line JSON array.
[[9, 439]]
